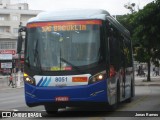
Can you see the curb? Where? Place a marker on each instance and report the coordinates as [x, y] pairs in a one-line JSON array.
[[147, 84], [155, 81]]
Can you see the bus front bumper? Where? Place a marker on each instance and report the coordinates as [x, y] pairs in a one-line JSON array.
[[76, 95]]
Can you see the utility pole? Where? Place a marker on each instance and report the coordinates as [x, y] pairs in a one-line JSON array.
[[19, 62]]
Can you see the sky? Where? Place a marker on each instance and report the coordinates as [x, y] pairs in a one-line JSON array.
[[114, 7]]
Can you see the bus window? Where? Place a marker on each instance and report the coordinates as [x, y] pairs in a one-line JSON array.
[[114, 49]]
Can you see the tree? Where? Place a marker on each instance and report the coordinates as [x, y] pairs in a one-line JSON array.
[[126, 21], [144, 26], [146, 34]]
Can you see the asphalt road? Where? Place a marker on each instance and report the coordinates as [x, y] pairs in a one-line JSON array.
[[147, 99]]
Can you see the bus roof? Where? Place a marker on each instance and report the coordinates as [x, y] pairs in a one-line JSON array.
[[119, 26], [76, 14]]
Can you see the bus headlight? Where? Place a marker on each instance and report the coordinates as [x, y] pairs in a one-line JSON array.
[[28, 79], [98, 77]]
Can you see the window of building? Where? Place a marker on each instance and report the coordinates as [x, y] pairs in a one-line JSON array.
[[15, 30], [7, 45], [15, 18], [1, 29], [4, 29], [1, 18]]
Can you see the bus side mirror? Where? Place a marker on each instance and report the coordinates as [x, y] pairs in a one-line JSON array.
[[19, 44], [20, 39]]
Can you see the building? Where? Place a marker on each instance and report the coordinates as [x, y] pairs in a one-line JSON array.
[[11, 16]]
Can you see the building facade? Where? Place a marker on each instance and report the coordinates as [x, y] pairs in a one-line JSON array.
[[11, 16]]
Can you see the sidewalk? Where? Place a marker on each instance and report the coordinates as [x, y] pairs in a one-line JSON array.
[[4, 81], [142, 81]]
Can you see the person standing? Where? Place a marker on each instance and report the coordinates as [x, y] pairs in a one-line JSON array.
[[157, 71], [154, 72], [139, 70], [11, 81]]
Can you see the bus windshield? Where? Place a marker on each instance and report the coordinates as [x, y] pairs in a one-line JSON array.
[[58, 46]]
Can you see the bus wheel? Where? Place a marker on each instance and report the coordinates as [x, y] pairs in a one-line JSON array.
[[51, 109]]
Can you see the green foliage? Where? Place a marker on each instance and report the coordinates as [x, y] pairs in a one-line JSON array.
[[145, 32], [144, 26], [147, 29], [126, 21]]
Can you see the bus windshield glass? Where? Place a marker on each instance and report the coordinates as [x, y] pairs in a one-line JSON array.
[[58, 46]]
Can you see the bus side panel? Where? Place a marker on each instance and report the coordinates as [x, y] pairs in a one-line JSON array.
[[96, 92]]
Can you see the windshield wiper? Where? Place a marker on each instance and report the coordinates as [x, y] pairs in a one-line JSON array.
[[36, 57], [75, 67]]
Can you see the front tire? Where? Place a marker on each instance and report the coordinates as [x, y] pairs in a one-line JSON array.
[[51, 109]]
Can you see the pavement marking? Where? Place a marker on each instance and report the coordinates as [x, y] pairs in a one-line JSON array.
[[15, 110], [9, 110], [43, 110]]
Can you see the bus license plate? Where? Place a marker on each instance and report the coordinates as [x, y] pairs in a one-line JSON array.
[[61, 98]]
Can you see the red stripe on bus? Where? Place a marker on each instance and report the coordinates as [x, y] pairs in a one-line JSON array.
[[85, 22]]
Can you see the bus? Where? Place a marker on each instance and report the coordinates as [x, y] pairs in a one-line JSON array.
[[76, 58]]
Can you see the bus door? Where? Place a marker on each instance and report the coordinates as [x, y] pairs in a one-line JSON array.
[[122, 67], [113, 54], [127, 65]]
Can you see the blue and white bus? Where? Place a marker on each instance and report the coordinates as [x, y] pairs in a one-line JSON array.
[[76, 58]]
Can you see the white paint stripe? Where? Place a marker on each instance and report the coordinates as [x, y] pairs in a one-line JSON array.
[[15, 110]]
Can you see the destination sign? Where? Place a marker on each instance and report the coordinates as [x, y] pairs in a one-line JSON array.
[[64, 28], [65, 25]]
